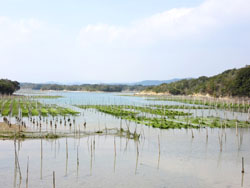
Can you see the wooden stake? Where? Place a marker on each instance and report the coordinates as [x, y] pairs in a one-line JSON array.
[[159, 154], [77, 163], [243, 170], [137, 157], [236, 128], [114, 154], [41, 161], [206, 133], [27, 177], [159, 145], [54, 180], [16, 156], [66, 170]]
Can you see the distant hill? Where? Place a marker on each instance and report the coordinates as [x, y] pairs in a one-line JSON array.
[[83, 87], [133, 85], [155, 82], [233, 82], [142, 83]]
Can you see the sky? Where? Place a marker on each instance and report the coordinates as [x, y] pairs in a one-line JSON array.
[[121, 41]]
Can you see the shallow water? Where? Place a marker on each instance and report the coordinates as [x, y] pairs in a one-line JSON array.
[[162, 158], [183, 161], [99, 98], [95, 98]]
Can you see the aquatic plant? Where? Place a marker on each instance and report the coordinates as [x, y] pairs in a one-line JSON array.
[[29, 107], [160, 117]]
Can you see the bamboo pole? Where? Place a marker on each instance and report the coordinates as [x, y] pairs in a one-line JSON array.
[[41, 162], [27, 177], [15, 173], [236, 127], [242, 170], [137, 156], [18, 165], [66, 168], [77, 161], [114, 154], [91, 155], [159, 153], [54, 179], [207, 133], [242, 179]]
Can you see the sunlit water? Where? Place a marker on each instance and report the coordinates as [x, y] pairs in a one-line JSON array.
[[162, 158]]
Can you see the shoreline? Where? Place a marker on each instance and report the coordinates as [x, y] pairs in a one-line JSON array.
[[140, 94], [80, 91], [197, 95], [4, 127]]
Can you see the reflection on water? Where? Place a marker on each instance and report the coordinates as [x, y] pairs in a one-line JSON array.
[[171, 157]]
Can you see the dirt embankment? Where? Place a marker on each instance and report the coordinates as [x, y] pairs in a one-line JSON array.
[[198, 95], [151, 93], [4, 127]]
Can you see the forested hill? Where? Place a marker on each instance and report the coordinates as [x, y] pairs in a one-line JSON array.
[[83, 87], [8, 87], [234, 82]]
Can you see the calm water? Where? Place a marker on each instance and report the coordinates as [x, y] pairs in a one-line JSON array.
[[182, 162], [162, 158]]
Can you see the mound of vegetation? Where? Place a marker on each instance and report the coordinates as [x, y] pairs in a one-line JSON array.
[[8, 87], [12, 106], [164, 117], [234, 82]]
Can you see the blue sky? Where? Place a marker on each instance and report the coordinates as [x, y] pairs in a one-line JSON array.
[[76, 13], [121, 41]]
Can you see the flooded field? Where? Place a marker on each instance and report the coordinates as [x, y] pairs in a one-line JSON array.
[[108, 149]]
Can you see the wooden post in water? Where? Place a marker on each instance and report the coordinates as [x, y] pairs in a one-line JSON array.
[[207, 133], [16, 158], [242, 170], [159, 154], [54, 180], [242, 179], [41, 160], [66, 170], [91, 159], [236, 127], [221, 143], [114, 154], [137, 156], [27, 177], [77, 162]]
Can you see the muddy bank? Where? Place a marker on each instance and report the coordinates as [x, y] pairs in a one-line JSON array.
[[4, 127]]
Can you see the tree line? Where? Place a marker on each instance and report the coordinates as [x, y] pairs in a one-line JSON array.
[[233, 82], [8, 87], [84, 87]]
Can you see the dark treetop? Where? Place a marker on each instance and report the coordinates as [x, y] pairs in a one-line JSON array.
[[8, 87]]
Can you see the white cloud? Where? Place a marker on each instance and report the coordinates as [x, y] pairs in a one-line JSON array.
[[16, 32], [178, 23], [157, 47], [31, 49]]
